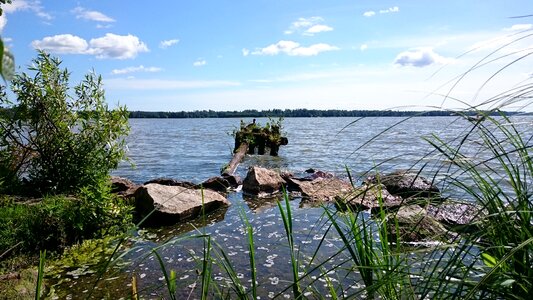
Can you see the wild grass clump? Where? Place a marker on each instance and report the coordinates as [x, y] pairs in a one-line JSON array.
[[499, 178]]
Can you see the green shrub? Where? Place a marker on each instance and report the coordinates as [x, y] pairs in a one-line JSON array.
[[58, 138], [58, 221]]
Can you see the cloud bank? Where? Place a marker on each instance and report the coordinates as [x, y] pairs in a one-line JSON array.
[[110, 46], [292, 48], [419, 57]]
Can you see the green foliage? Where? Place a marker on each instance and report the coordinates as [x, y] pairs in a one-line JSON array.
[[57, 222], [60, 138]]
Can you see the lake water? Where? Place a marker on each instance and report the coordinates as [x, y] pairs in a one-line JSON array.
[[196, 149]]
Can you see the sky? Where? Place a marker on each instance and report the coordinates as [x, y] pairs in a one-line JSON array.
[[282, 54]]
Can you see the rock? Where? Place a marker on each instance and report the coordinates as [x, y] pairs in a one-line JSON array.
[[123, 187], [415, 225], [218, 184], [262, 182], [368, 196], [406, 184], [172, 182], [321, 189], [456, 215], [315, 174], [172, 204], [233, 180]]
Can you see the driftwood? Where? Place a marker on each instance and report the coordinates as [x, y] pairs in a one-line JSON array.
[[238, 156]]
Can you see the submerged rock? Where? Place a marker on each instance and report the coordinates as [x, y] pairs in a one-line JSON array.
[[262, 182], [172, 204], [406, 184], [415, 225], [369, 197]]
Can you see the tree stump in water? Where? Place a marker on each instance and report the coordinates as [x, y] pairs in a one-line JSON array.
[[253, 136]]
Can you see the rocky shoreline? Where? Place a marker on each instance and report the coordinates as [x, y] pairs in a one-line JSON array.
[[413, 204]]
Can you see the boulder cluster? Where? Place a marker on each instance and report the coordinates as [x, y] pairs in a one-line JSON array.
[[413, 204]]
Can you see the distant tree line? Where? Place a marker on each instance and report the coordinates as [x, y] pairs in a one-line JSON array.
[[295, 113]]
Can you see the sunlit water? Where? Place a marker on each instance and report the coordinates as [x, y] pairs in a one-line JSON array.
[[196, 149]]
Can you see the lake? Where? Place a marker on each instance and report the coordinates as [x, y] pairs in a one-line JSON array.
[[196, 149]]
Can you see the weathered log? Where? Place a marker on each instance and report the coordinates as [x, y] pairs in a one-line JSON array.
[[238, 156]]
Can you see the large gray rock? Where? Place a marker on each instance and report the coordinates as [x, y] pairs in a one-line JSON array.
[[172, 204], [456, 215], [316, 187], [369, 196], [262, 182], [415, 225], [322, 189], [406, 184]]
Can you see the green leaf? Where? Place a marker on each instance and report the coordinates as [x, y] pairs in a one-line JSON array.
[[490, 261]]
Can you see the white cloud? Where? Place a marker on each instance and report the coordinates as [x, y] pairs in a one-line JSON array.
[[292, 48], [117, 46], [167, 43], [390, 10], [160, 84], [200, 63], [16, 5], [420, 57], [245, 52], [103, 26], [363, 47], [91, 15], [62, 43], [372, 13], [140, 68], [23, 5], [519, 27], [318, 28], [109, 46], [308, 26]]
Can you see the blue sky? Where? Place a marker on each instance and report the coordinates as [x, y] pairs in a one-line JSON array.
[[236, 54]]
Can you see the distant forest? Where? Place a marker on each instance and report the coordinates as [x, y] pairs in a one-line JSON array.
[[295, 113]]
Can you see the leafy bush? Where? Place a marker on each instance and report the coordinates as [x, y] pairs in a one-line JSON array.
[[58, 221], [57, 140]]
